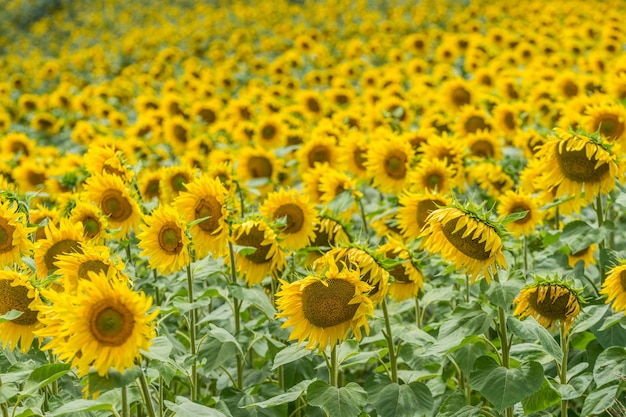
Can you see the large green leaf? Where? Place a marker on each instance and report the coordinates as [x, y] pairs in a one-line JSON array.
[[505, 387], [290, 354], [337, 402], [409, 400], [600, 400], [255, 296], [160, 349], [546, 397], [531, 331], [114, 379], [465, 320], [43, 376], [290, 396], [185, 408], [502, 294], [610, 366], [78, 406], [456, 406]]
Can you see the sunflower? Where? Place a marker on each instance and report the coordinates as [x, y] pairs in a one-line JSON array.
[[585, 254], [104, 324], [46, 123], [367, 264], [177, 133], [106, 159], [549, 301], [508, 117], [415, 208], [115, 201], [149, 184], [353, 157], [261, 254], [511, 202], [471, 120], [614, 287], [75, 266], [388, 163], [576, 163], [445, 148], [163, 239], [607, 119], [30, 175], [466, 239], [311, 104], [66, 238], [174, 180], [457, 93], [14, 144], [484, 145], [406, 279], [323, 308], [14, 241], [319, 149], [205, 197], [331, 184], [258, 164], [300, 215], [95, 224], [491, 178], [271, 132], [17, 293], [433, 175]]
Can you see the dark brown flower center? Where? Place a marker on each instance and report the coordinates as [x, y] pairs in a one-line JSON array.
[[294, 216], [178, 182], [111, 323], [151, 189], [482, 148], [581, 252], [622, 279], [395, 164], [62, 247], [520, 208], [253, 238], [424, 208], [319, 154], [211, 208], [553, 309], [16, 298], [475, 123], [170, 238], [313, 105], [578, 168], [610, 126], [268, 132], [6, 236], [207, 115], [466, 245], [460, 96], [360, 158], [327, 306], [260, 167], [91, 265], [116, 206], [399, 274], [91, 226]]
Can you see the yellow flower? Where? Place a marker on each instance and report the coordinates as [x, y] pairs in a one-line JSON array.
[[260, 254], [95, 225], [456, 93], [15, 143], [461, 237], [14, 241], [300, 215], [75, 266], [607, 119], [163, 239], [115, 201], [319, 149], [354, 153], [415, 208], [586, 255], [174, 180], [205, 197], [257, 164], [484, 145], [514, 202], [548, 302], [406, 279], [614, 287], [17, 293], [104, 324], [271, 132], [471, 120], [104, 158], [66, 238], [433, 175], [388, 162], [325, 307]]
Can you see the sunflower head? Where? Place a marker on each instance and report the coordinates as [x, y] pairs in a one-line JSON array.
[[614, 287], [17, 293], [549, 300]]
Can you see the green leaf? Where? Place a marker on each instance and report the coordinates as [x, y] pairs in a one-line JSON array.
[[185, 408], [502, 294], [7, 392], [513, 217], [224, 337], [114, 379], [342, 202], [159, 350], [530, 330], [403, 400], [578, 235], [505, 387], [78, 406], [589, 317], [456, 406], [575, 388], [184, 306], [10, 315], [465, 321], [541, 400], [43, 376], [290, 354], [610, 366], [337, 402], [216, 350], [290, 396], [254, 296], [599, 400], [466, 355], [347, 349]]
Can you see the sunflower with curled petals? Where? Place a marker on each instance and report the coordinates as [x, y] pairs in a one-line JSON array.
[[576, 163], [163, 240], [300, 216], [14, 241], [66, 238], [415, 208], [468, 240], [549, 301], [105, 325], [614, 287], [205, 198], [369, 266], [260, 254], [323, 308], [406, 280], [115, 201], [17, 293]]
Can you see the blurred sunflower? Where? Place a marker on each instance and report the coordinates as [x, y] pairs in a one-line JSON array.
[[177, 133], [323, 308], [64, 239], [319, 149], [576, 163], [406, 279], [432, 175], [75, 266], [471, 120], [17, 143], [205, 197], [163, 239], [271, 132], [106, 159], [311, 103], [353, 158], [466, 239], [587, 255], [614, 287], [103, 325], [260, 255], [149, 184], [457, 93], [491, 178], [414, 209], [607, 119], [30, 175], [174, 180], [115, 201], [388, 163], [46, 123], [511, 202], [14, 240], [17, 293], [549, 301], [95, 224], [256, 163], [484, 145], [300, 215]]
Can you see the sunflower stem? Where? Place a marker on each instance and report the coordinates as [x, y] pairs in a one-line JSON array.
[[157, 293], [525, 251], [161, 396], [3, 406], [504, 341], [467, 288], [389, 336], [192, 336], [362, 210], [125, 407], [145, 391], [237, 313], [563, 367], [600, 215], [418, 314], [333, 369]]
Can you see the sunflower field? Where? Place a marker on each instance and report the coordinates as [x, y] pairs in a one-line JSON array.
[[312, 208]]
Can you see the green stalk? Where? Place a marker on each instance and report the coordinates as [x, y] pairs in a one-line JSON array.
[[418, 313], [157, 293], [600, 215], [392, 351], [192, 337], [563, 367], [362, 210], [125, 407], [161, 396], [3, 406], [237, 312], [145, 393], [504, 342], [333, 369]]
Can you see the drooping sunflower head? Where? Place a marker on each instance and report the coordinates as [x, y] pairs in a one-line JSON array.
[[549, 300], [323, 308], [406, 279], [66, 238], [17, 293], [465, 237], [414, 210]]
